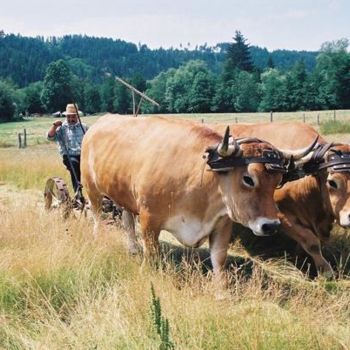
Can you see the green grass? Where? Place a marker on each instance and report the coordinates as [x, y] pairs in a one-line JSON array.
[[335, 127], [36, 129]]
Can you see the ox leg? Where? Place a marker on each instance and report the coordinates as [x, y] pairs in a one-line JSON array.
[[128, 221], [96, 207], [219, 241], [310, 243], [150, 237]]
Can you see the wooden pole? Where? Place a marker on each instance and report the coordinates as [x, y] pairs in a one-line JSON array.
[[334, 116], [236, 119], [24, 138], [138, 107], [271, 117], [137, 91], [133, 103], [19, 140], [304, 117], [318, 118]]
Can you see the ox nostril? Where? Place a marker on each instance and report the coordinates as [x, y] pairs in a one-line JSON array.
[[270, 228]]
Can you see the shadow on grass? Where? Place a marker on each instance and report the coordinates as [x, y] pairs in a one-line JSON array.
[[199, 258], [336, 250]]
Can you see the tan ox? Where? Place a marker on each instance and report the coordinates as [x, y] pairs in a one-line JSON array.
[[154, 167], [310, 205]]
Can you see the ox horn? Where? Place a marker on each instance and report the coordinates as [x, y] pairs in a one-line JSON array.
[[299, 153], [318, 152], [225, 149], [248, 140]]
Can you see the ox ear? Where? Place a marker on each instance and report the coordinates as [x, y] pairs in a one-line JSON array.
[[300, 153], [225, 149]]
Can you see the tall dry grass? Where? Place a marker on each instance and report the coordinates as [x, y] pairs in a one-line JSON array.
[[60, 289]]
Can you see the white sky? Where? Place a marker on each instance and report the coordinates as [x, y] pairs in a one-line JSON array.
[[274, 24]]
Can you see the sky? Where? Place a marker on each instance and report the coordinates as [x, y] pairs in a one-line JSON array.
[[273, 24]]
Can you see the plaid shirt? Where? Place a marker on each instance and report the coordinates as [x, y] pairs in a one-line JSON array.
[[72, 137]]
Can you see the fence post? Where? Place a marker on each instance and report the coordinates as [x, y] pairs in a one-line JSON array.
[[236, 119], [19, 140], [334, 116], [24, 138], [304, 117], [271, 117], [318, 118], [202, 121]]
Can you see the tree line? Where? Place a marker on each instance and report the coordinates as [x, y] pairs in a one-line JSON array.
[[236, 83]]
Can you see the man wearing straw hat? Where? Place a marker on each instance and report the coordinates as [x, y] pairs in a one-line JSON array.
[[69, 136]]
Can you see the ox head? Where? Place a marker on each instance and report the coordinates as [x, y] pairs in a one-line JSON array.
[[249, 170], [337, 163], [331, 164]]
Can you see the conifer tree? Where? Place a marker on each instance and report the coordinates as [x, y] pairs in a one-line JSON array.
[[238, 57]]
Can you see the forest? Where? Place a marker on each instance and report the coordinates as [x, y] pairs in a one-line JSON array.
[[41, 75]]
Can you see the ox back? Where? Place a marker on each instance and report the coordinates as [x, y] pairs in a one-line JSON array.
[[151, 162], [291, 135]]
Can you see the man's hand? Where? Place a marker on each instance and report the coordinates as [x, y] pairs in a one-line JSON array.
[[57, 123]]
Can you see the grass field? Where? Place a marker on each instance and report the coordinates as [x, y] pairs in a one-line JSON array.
[[37, 128], [60, 289]]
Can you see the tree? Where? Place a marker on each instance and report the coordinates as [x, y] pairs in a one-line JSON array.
[[58, 88], [156, 90], [122, 99], [296, 87], [270, 63], [201, 93], [245, 92], [7, 102], [332, 72], [238, 57], [32, 100], [108, 94], [223, 101], [179, 86], [273, 90], [92, 99]]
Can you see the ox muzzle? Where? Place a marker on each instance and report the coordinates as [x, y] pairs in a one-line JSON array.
[[264, 226]]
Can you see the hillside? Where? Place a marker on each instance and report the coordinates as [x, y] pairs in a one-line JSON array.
[[27, 58]]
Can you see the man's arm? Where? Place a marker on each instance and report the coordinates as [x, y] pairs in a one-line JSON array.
[[51, 134]]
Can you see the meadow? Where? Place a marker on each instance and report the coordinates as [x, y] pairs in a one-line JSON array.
[[61, 289], [37, 127]]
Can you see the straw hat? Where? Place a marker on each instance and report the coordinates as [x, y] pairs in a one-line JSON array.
[[70, 109]]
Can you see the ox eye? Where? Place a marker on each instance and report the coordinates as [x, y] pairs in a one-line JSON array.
[[248, 181], [332, 184]]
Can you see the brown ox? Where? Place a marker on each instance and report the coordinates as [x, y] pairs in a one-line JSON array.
[[154, 167], [310, 205]]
